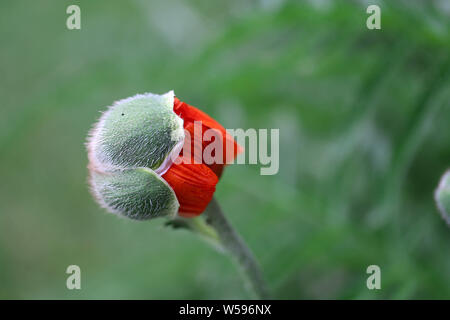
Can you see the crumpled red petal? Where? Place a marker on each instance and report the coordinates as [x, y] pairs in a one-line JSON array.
[[190, 114], [194, 186]]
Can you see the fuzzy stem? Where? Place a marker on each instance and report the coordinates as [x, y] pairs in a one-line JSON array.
[[236, 247]]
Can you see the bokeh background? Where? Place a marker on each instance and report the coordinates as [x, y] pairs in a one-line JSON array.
[[364, 138]]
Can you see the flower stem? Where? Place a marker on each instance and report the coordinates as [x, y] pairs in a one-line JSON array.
[[236, 247]]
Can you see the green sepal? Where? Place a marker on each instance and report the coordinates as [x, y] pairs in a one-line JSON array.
[[138, 194], [139, 131]]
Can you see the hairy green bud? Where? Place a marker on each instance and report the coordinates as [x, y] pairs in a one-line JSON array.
[[129, 148]]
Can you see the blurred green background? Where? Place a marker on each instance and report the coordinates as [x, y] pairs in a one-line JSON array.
[[364, 138]]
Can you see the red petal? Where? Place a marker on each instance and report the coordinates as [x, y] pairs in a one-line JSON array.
[[194, 186], [190, 114]]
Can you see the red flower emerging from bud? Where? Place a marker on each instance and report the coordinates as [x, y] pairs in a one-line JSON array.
[[194, 181]]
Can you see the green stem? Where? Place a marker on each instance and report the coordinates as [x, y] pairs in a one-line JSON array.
[[198, 226], [236, 247]]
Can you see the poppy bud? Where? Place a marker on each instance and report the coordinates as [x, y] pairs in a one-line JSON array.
[[442, 197], [131, 151]]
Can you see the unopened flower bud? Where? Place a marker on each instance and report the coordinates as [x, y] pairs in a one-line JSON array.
[[131, 153]]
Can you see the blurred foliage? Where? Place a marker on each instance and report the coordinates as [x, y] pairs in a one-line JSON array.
[[364, 137]]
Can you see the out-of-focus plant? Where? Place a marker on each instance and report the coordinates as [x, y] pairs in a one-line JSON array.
[[442, 197]]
